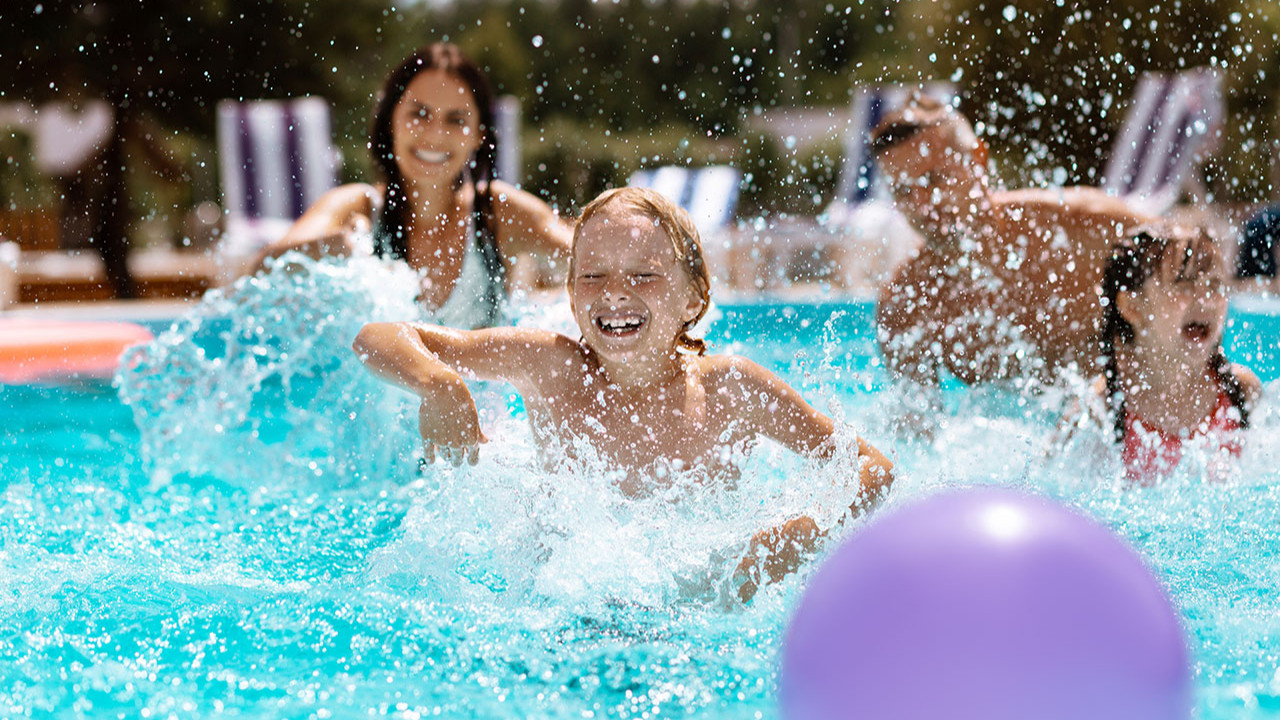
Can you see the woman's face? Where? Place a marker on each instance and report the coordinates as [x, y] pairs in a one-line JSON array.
[[435, 128]]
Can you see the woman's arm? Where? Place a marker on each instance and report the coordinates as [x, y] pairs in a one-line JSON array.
[[528, 225], [325, 229]]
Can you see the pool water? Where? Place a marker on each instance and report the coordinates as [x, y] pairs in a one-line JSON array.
[[250, 536]]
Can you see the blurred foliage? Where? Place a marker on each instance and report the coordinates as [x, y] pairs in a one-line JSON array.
[[1049, 81], [20, 184], [609, 86]]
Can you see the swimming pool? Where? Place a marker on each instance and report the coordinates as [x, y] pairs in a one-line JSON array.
[[215, 567]]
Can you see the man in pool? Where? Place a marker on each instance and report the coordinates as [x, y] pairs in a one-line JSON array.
[[1005, 285]]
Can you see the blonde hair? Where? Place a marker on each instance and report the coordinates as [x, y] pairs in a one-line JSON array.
[[679, 228]]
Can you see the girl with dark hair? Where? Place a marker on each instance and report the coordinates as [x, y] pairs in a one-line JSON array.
[[1165, 380], [438, 206]]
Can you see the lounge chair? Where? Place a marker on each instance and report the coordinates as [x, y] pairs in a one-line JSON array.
[[506, 120], [276, 158], [1172, 122]]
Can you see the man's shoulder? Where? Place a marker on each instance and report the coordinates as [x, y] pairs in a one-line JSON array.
[[1070, 205], [1063, 198]]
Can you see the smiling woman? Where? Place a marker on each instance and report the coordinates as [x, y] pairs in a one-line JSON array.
[[438, 206]]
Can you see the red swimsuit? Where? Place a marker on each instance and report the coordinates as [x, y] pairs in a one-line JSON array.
[[1151, 452]]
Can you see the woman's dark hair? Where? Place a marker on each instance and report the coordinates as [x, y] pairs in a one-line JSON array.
[[1133, 262], [389, 236]]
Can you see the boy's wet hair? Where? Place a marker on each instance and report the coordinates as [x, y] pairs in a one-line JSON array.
[[449, 58], [679, 228], [1183, 253]]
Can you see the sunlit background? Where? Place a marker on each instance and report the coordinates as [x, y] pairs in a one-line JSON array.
[[237, 525], [609, 87]]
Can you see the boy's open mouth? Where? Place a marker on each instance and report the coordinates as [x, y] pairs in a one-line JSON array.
[[620, 325], [1196, 331]]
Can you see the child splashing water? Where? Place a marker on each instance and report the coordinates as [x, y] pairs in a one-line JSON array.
[[1166, 381], [635, 386]]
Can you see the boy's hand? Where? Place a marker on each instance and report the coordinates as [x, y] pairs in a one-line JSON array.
[[450, 428], [775, 553]]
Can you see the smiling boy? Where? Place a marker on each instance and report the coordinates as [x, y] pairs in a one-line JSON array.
[[636, 386]]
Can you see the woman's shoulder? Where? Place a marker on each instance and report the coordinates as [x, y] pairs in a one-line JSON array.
[[344, 200], [515, 205], [526, 223]]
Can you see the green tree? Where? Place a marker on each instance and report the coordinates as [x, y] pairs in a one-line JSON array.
[[163, 65]]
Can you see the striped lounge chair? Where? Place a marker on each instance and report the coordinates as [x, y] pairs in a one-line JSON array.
[[276, 158], [1173, 121]]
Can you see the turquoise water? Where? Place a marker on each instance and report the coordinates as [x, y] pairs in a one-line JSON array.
[[250, 538]]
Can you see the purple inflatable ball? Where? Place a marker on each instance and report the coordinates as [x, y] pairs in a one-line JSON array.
[[985, 604]]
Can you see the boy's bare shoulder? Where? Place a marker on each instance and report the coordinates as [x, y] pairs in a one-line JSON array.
[[529, 342], [548, 355], [733, 372]]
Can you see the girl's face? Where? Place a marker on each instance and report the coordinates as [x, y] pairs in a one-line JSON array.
[[436, 128], [630, 294], [1182, 308]]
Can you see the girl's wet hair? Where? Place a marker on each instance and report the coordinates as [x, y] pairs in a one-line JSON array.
[[686, 243], [391, 238], [1134, 261]]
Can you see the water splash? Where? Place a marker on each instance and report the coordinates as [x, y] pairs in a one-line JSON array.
[[266, 367], [510, 589]]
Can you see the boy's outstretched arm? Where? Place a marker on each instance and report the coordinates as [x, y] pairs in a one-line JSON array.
[[773, 408], [431, 362]]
